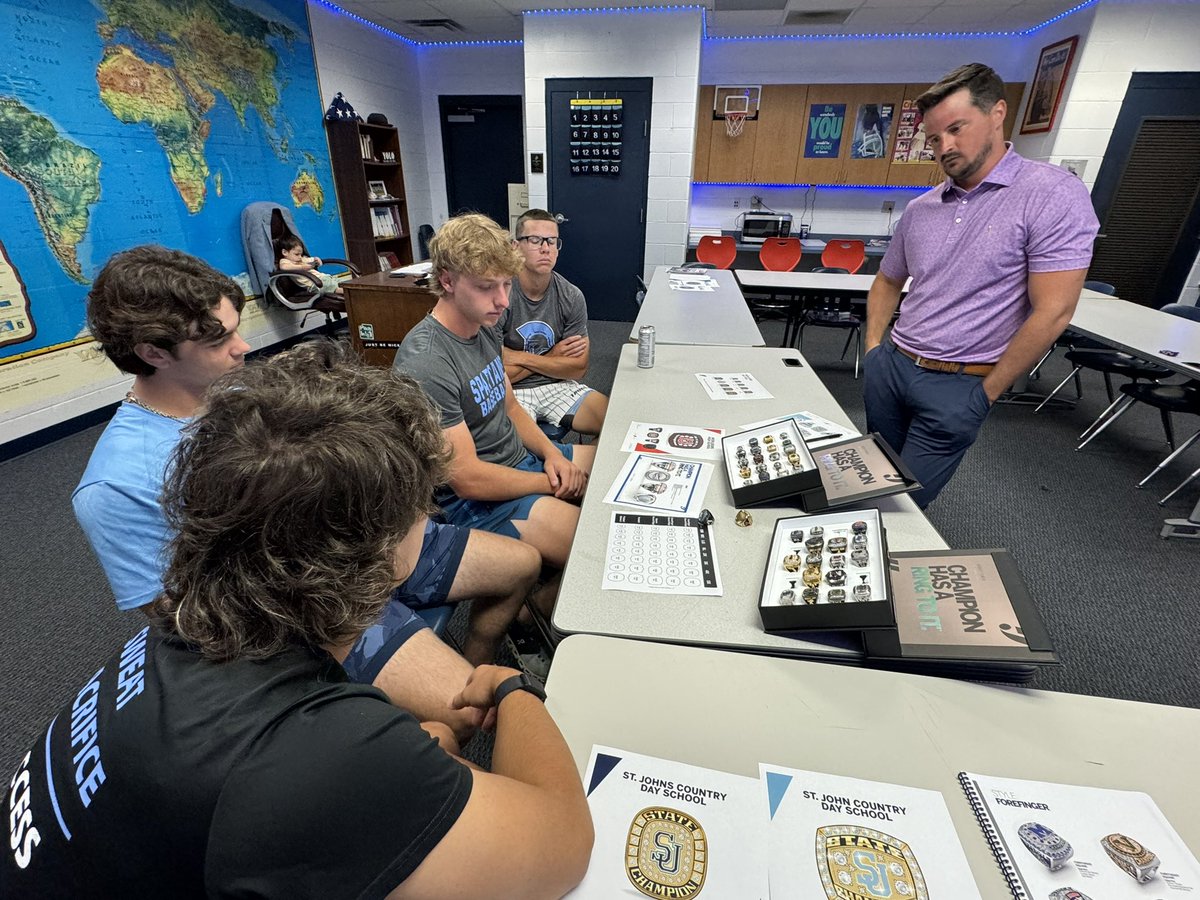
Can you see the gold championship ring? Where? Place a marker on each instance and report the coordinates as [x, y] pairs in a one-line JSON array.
[[1131, 857], [864, 864], [666, 853]]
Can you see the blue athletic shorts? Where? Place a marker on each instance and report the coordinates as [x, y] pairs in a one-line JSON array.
[[428, 585], [497, 516]]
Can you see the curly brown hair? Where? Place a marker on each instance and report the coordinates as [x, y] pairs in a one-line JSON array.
[[288, 497], [472, 244], [152, 295]]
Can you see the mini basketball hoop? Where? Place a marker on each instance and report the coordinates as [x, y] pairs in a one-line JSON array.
[[736, 110]]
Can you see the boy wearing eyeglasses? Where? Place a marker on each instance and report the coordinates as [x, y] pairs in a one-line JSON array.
[[545, 334]]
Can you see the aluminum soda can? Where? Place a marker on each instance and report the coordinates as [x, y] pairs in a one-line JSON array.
[[646, 347]]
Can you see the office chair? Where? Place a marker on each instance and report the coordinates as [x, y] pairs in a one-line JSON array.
[[717, 251], [640, 296], [834, 311], [263, 225], [848, 255]]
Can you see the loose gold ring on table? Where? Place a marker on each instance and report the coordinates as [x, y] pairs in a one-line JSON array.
[[743, 519]]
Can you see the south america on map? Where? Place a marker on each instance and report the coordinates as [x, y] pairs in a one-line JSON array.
[[124, 122]]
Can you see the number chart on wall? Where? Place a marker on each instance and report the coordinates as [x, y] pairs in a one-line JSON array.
[[596, 130]]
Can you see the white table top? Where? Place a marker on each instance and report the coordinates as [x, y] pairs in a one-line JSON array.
[[718, 317], [1140, 330], [737, 710], [803, 281], [670, 394]]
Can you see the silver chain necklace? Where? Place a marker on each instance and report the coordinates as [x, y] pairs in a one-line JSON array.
[[131, 397]]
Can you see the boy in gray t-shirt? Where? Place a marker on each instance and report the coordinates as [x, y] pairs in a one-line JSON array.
[[545, 334], [507, 477]]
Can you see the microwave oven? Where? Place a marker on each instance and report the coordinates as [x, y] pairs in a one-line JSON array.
[[759, 226]]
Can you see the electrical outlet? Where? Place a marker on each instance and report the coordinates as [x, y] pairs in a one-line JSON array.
[[737, 204], [888, 206]]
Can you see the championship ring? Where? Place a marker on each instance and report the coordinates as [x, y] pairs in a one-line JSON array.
[[859, 540], [859, 527], [753, 442], [1046, 846], [836, 595], [797, 536], [862, 593], [858, 863], [744, 471], [837, 545], [666, 853], [657, 475], [791, 562], [787, 597], [859, 556], [810, 595], [664, 464], [837, 561], [811, 576], [836, 577], [794, 459], [1068, 893], [815, 543], [812, 559], [816, 531], [743, 519], [1130, 856]]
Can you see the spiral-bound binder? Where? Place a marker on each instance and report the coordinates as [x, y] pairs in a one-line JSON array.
[[995, 839]]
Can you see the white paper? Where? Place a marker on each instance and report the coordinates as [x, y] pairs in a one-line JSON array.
[[421, 268], [813, 428], [1083, 816], [733, 386], [869, 838], [691, 280], [690, 441], [661, 485], [695, 831], [653, 553]]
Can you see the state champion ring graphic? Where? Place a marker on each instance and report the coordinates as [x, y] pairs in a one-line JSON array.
[[666, 853], [1045, 844], [858, 863]]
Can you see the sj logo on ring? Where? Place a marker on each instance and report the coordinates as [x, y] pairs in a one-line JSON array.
[[864, 864], [666, 853]]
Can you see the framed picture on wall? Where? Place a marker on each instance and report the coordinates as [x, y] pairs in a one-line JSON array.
[[1049, 81]]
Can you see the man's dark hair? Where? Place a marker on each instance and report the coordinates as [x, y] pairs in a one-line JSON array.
[[288, 496], [533, 215], [982, 81], [152, 295]]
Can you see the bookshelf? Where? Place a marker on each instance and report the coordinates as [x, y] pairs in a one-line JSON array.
[[369, 179]]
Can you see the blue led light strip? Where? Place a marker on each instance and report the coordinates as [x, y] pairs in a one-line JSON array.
[[835, 187], [619, 10]]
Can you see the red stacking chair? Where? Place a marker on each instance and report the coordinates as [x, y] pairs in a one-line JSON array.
[[780, 254], [717, 251], [848, 255]]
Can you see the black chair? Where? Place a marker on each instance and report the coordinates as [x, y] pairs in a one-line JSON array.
[[1167, 398], [833, 311], [1073, 341], [640, 296]]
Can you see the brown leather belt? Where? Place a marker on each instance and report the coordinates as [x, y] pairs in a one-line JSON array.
[[952, 368]]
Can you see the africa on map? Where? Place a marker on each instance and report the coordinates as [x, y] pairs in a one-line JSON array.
[[125, 122]]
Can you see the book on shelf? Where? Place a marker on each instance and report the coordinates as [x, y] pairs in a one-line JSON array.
[[1070, 842], [384, 222], [368, 148]]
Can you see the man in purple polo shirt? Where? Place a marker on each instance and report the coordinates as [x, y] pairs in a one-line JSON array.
[[997, 256]]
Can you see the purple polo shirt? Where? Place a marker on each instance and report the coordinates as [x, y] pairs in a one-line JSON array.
[[969, 254]]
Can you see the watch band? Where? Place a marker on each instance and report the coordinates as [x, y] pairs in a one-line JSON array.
[[519, 682], [1132, 857]]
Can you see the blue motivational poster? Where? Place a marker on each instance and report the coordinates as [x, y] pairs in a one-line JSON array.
[[825, 124]]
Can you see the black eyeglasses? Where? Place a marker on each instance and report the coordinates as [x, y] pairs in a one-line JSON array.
[[536, 240]]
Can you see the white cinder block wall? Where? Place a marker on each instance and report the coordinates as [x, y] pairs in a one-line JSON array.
[[661, 44], [489, 69], [378, 72], [1117, 38]]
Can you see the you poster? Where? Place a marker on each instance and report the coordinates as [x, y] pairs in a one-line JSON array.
[[825, 124]]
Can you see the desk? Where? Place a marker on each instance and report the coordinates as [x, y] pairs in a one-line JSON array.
[[1140, 330], [698, 317], [737, 710], [669, 393], [382, 309]]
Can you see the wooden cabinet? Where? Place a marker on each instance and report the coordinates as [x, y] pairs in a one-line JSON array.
[[381, 310], [366, 163], [770, 149]]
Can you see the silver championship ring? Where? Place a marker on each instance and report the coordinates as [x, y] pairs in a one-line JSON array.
[[1068, 893], [1049, 849], [1131, 857]]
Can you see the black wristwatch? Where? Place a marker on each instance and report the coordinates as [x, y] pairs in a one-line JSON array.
[[520, 682]]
